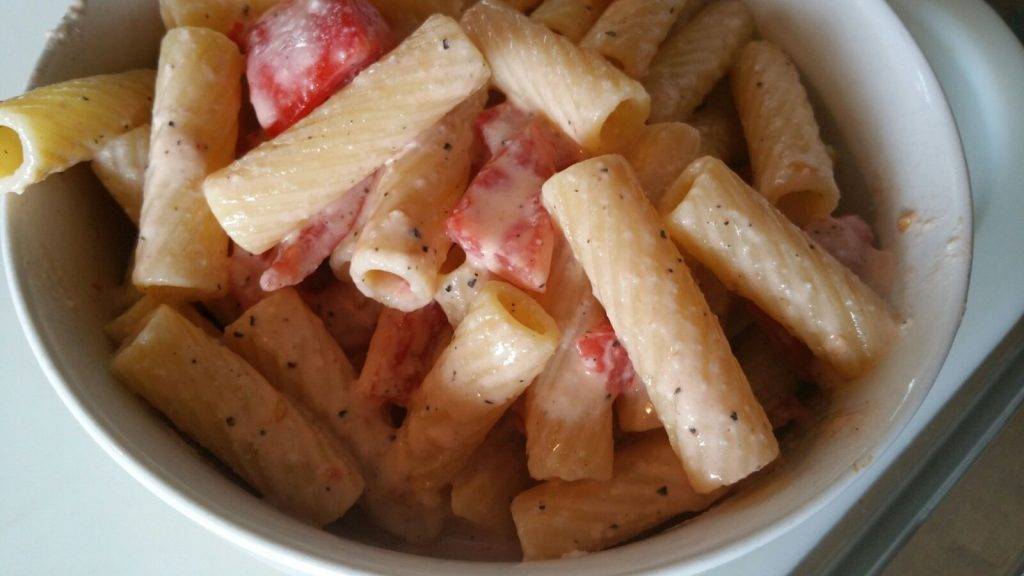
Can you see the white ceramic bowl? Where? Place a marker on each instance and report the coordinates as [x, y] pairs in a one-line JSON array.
[[66, 245]]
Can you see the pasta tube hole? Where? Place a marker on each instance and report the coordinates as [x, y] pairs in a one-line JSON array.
[[522, 308], [623, 125], [802, 206], [11, 155], [385, 283]]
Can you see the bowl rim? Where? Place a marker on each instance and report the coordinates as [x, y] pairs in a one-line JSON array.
[[260, 542]]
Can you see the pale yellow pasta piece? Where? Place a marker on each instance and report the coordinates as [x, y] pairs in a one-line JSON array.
[[274, 189], [220, 15], [635, 412], [759, 254], [121, 166], [404, 16], [568, 411], [457, 289], [497, 350], [217, 399], [398, 256], [129, 322], [629, 32], [482, 492], [50, 129], [289, 345], [791, 165], [648, 488], [570, 18], [695, 57], [660, 155], [721, 134], [181, 246], [676, 344], [589, 99]]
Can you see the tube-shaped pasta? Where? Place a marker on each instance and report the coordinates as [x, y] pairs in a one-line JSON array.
[[569, 411], [589, 99], [792, 167], [220, 15], [483, 490], [759, 254], [497, 350], [457, 289], [181, 246], [224, 404], [289, 345], [50, 129], [696, 56], [132, 320], [674, 341], [721, 134], [660, 155], [121, 166], [648, 487], [274, 189], [570, 18], [398, 256], [629, 32]]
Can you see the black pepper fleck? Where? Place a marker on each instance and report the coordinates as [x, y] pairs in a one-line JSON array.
[[230, 420], [238, 334], [734, 416], [663, 491]]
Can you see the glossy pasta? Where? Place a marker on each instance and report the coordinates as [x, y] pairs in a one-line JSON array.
[[660, 155], [758, 253], [272, 190], [120, 166], [589, 99], [629, 32], [36, 142], [695, 57], [401, 248], [223, 403], [181, 246], [791, 165], [674, 341], [570, 18]]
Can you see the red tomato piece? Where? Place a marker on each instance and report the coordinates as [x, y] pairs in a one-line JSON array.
[[500, 222], [300, 52], [402, 352], [602, 354], [302, 252]]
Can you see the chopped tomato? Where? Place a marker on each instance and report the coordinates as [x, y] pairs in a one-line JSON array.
[[302, 51], [603, 354], [500, 124], [500, 222], [302, 252], [402, 352]]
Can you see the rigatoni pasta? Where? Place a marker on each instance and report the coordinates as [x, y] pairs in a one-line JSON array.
[[120, 166], [483, 490], [721, 134], [676, 344], [758, 253], [589, 99], [568, 416], [36, 140], [223, 403], [402, 246], [647, 488], [660, 155], [695, 57], [181, 247], [272, 190], [289, 346], [570, 18], [220, 15], [791, 165], [629, 32]]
